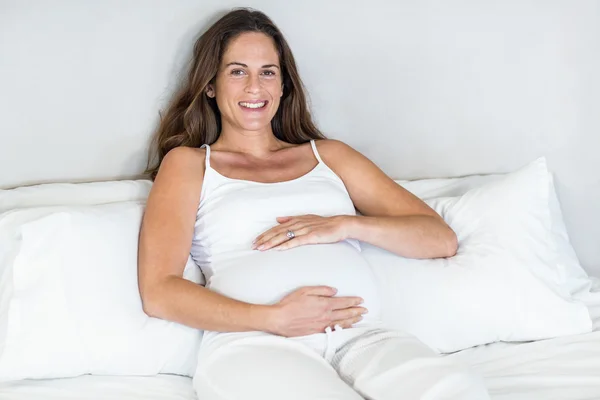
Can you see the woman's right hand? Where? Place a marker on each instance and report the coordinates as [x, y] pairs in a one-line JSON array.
[[311, 310]]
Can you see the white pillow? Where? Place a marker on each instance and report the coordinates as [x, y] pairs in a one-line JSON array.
[[503, 285], [62, 194], [75, 308], [52, 196], [574, 278]]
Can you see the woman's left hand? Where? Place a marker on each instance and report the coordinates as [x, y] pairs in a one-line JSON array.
[[306, 229]]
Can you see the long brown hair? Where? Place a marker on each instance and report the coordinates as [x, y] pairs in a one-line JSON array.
[[193, 119]]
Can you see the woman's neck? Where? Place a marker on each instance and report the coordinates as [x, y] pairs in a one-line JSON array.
[[256, 144]]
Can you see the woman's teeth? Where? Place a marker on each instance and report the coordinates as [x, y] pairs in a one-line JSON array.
[[253, 105]]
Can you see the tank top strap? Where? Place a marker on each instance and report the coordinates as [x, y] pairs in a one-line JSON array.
[[314, 148], [207, 161]]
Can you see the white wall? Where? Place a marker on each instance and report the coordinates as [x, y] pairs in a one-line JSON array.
[[424, 88]]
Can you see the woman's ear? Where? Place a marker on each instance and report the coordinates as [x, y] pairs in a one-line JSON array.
[[210, 91]]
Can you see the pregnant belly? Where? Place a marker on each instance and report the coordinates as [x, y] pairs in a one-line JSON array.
[[266, 277]]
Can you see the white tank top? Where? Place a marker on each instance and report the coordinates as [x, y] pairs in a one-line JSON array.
[[233, 212]]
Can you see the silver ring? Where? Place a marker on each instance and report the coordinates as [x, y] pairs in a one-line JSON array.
[[291, 234]]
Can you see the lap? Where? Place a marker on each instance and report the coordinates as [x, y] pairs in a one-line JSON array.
[[385, 364], [268, 368], [376, 364]]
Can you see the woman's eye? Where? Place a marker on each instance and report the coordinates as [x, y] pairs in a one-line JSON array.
[[241, 72]]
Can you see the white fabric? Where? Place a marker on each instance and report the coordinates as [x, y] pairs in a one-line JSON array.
[[510, 374], [233, 212], [75, 305], [565, 368], [367, 363], [573, 276], [94, 387], [53, 196], [503, 285], [61, 194], [591, 298], [105, 192]]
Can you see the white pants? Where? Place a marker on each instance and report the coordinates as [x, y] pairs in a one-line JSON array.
[[349, 364]]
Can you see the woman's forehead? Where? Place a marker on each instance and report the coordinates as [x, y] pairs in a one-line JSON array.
[[252, 49]]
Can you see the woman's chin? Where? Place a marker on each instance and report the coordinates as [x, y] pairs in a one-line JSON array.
[[255, 126]]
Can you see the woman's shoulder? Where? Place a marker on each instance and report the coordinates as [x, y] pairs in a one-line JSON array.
[[334, 150], [344, 160], [185, 152], [183, 155], [184, 161]]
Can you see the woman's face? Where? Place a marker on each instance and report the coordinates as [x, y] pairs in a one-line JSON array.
[[248, 85]]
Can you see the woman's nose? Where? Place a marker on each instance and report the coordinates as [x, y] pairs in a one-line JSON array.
[[253, 84]]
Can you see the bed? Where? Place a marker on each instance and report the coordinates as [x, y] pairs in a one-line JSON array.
[[566, 368], [562, 368]]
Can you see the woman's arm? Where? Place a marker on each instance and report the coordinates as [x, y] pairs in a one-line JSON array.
[[393, 218], [165, 241]]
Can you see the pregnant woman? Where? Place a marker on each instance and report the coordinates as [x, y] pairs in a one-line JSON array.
[[266, 205]]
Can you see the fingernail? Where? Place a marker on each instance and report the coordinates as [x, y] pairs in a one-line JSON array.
[[261, 247]]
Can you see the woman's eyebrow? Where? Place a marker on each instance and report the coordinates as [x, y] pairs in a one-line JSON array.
[[245, 66]]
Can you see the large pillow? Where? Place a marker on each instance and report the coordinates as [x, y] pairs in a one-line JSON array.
[[75, 307], [51, 195], [573, 276], [62, 194], [503, 284]]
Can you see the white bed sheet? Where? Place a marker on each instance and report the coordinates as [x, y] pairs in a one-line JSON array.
[[88, 387], [566, 368]]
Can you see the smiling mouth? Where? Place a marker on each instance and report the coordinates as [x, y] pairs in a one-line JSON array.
[[253, 105]]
